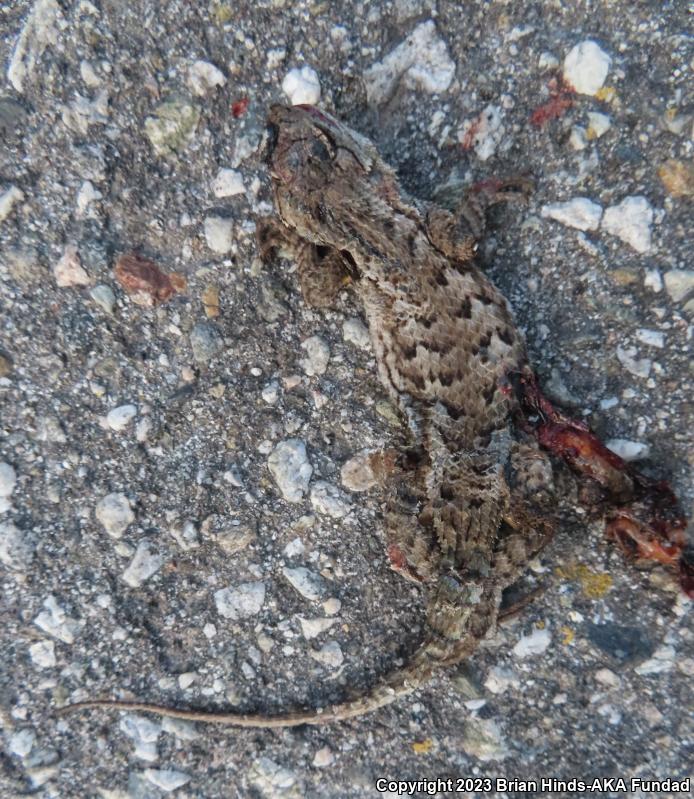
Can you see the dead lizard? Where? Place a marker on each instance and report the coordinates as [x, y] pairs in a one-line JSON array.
[[468, 504]]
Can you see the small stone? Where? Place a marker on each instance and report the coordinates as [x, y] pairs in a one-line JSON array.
[[628, 357], [294, 548], [228, 183], [534, 644], [89, 75], [186, 679], [628, 450], [119, 418], [143, 733], [186, 535], [144, 564], [69, 270], [307, 583], [6, 364], [289, 465], [115, 514], [8, 199], [653, 338], [652, 280], [577, 139], [500, 680], [210, 301], [329, 500], [104, 297], [241, 601], [272, 779], [324, 757], [598, 125], [421, 62], [205, 341], [144, 281], [312, 628], [332, 606], [21, 743], [547, 61], [43, 654], [355, 332], [329, 655], [631, 222], [607, 678], [586, 67], [16, 547], [317, 356], [8, 479], [679, 283], [85, 197], [662, 661], [55, 621], [183, 730], [219, 234], [484, 133], [271, 393], [172, 127], [203, 77], [580, 213], [166, 780], [302, 86], [677, 177], [357, 473], [483, 739]]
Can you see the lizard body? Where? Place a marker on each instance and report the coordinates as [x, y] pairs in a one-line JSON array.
[[468, 515]]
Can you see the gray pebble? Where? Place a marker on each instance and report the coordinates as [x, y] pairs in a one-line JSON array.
[[104, 297], [241, 601], [115, 514], [307, 583], [206, 341], [289, 465]]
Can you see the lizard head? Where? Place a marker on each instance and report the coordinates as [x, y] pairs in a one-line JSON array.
[[314, 161]]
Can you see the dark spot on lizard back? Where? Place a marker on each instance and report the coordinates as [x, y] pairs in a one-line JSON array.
[[505, 335], [441, 278], [465, 310]]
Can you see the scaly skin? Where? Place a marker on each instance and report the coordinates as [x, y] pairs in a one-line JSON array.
[[467, 509]]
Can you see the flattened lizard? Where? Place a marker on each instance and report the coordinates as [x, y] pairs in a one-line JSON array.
[[467, 505]]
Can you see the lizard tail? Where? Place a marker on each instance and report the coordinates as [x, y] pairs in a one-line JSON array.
[[398, 683]]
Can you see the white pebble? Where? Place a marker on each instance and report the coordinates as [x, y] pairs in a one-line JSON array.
[[119, 418], [628, 450], [55, 621], [547, 61], [355, 332], [534, 644], [8, 199], [652, 280], [104, 297], [357, 473], [240, 601], [289, 465], [21, 743], [167, 779], [219, 234], [679, 283], [312, 628], [271, 393], [8, 479], [115, 514], [421, 61], [69, 270], [16, 547], [186, 679], [580, 213], [663, 660], [329, 655], [144, 564], [307, 583], [631, 222], [302, 86], [500, 680], [628, 357], [228, 183], [144, 734], [329, 500], [598, 124], [577, 139], [607, 678], [483, 133], [586, 67], [85, 197], [654, 338], [43, 654], [332, 606], [323, 757], [317, 356], [203, 76]]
